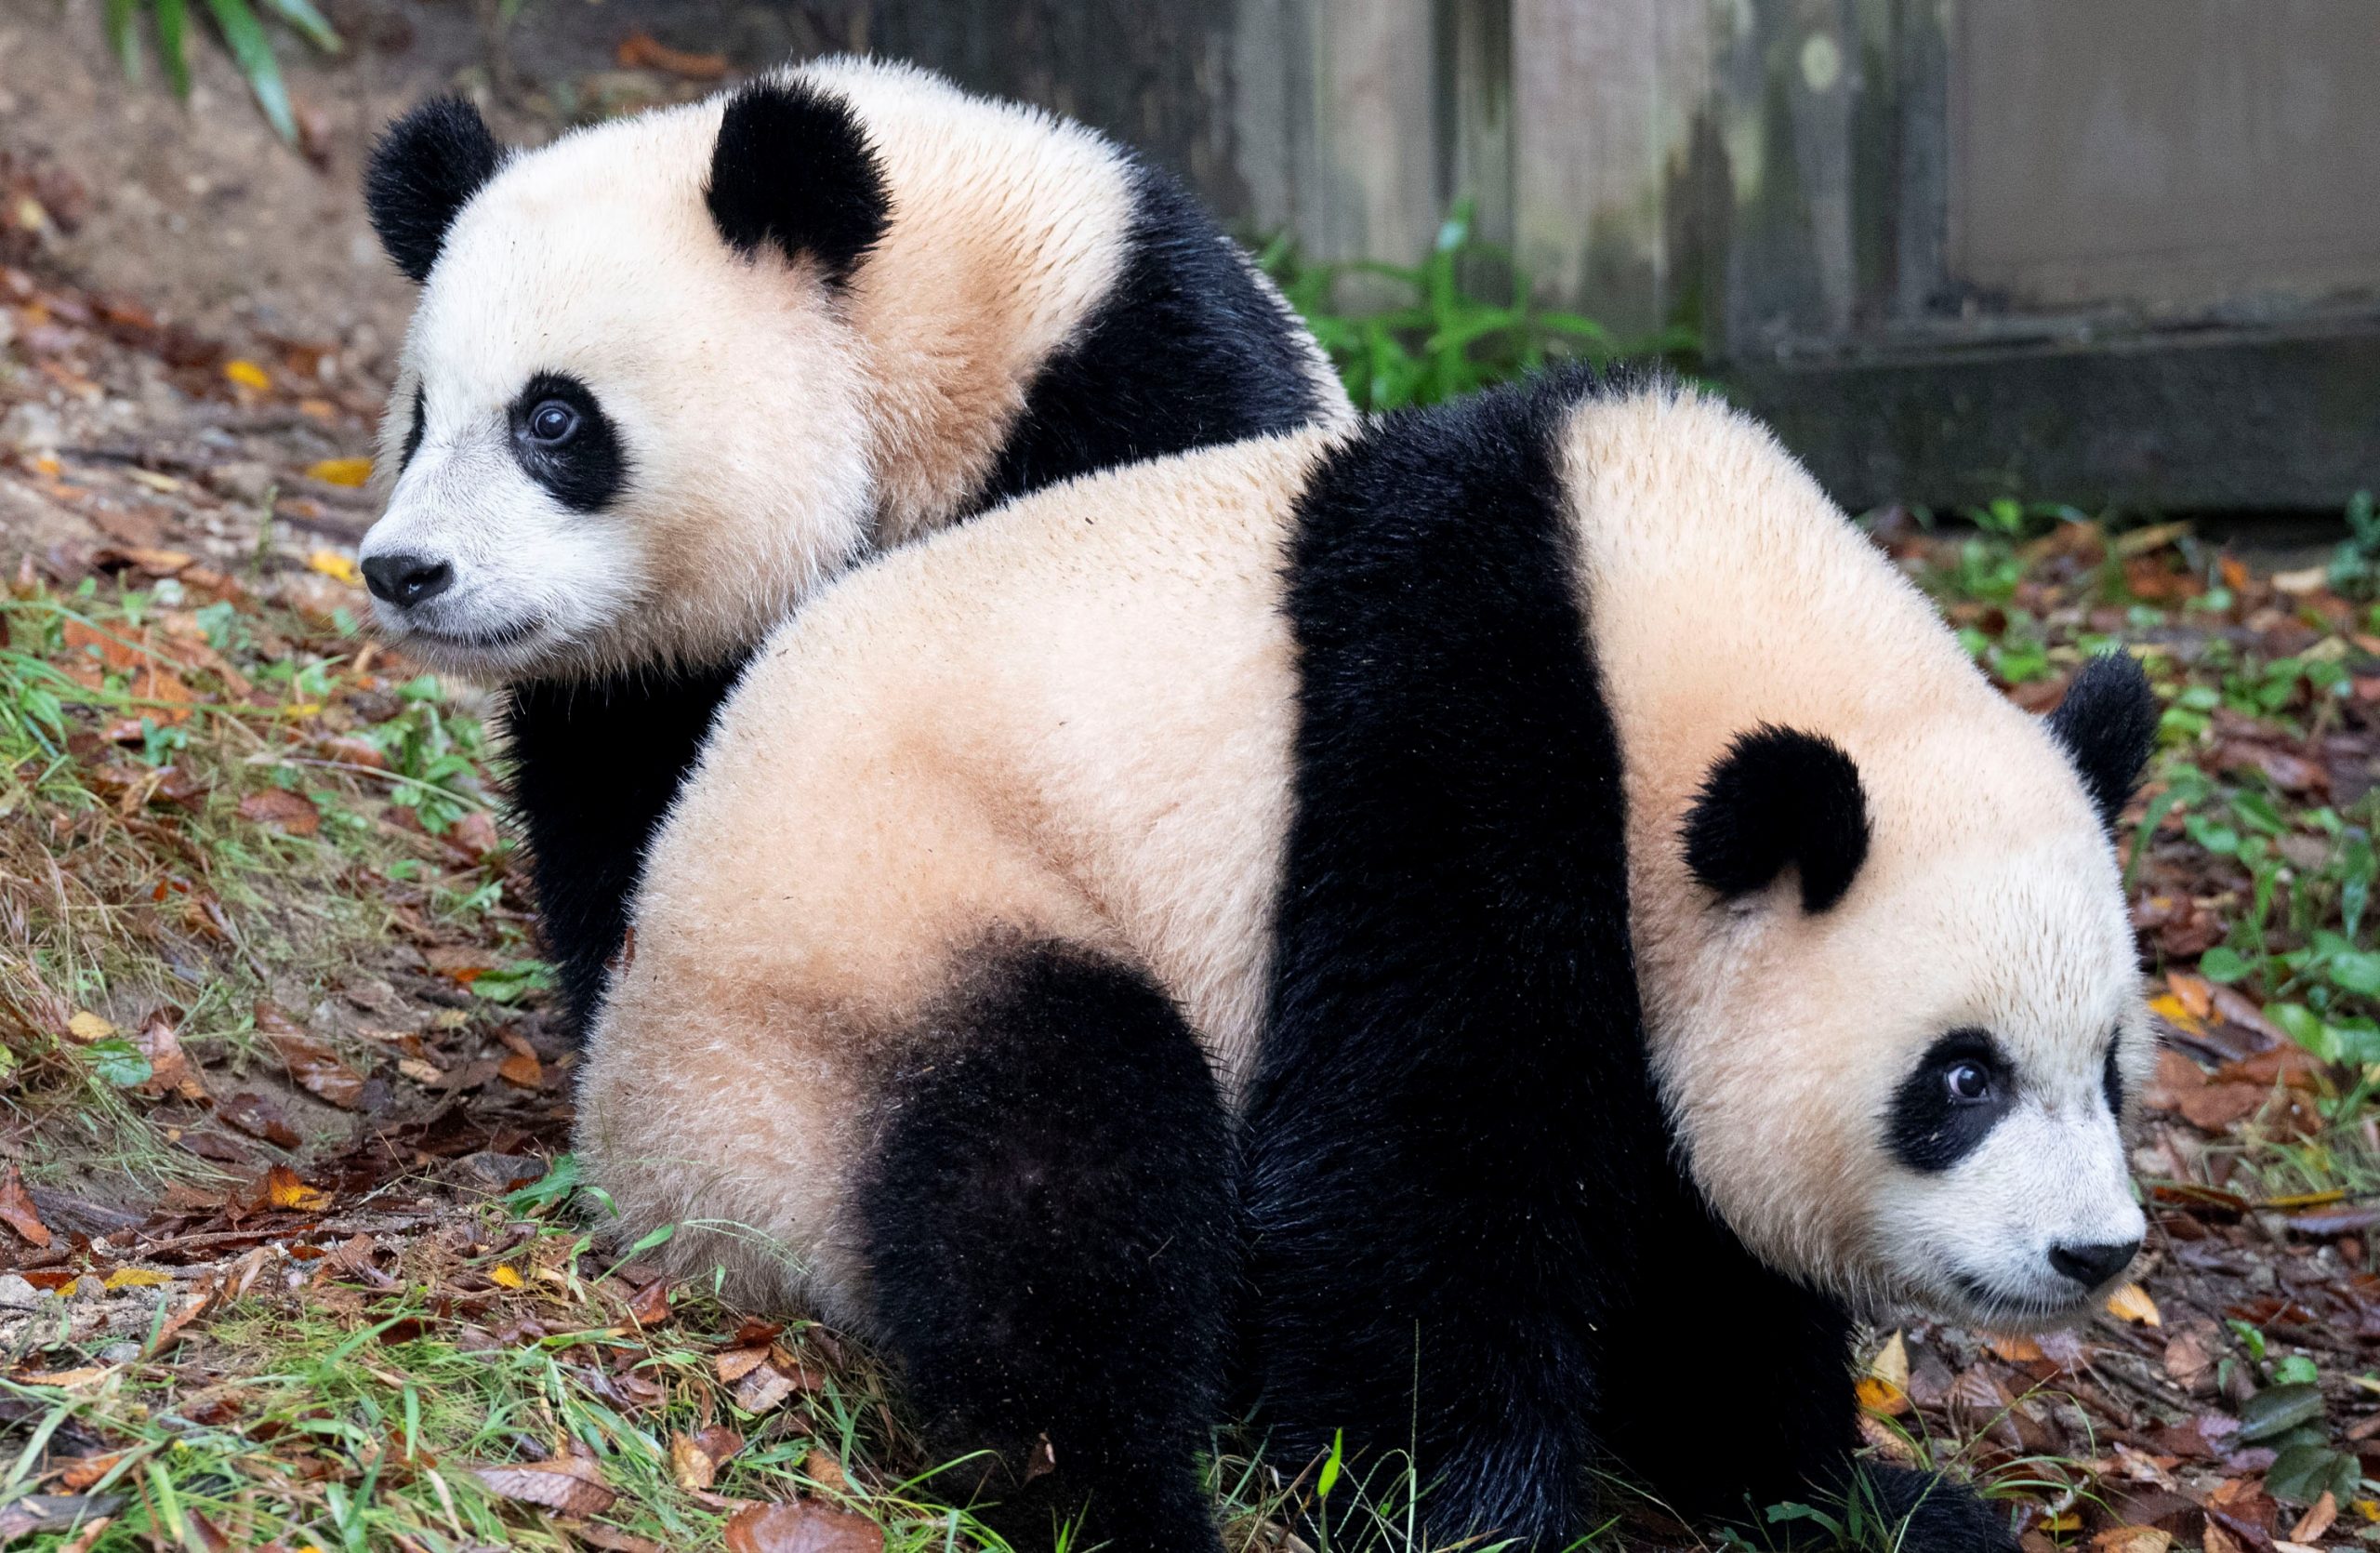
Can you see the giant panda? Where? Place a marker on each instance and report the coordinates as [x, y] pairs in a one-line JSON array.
[[1532, 858], [668, 372]]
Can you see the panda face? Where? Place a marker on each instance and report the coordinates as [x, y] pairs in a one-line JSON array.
[[1911, 1095], [615, 439]]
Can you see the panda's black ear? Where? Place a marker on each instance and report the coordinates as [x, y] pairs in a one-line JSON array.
[[2107, 724], [793, 167], [1780, 797], [423, 170]]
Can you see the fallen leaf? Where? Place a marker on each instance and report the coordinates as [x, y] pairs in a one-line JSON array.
[[763, 1388], [827, 1472], [2015, 1349], [341, 471], [139, 1278], [1882, 1396], [331, 563], [2316, 1520], [314, 1067], [507, 1276], [83, 1471], [735, 1364], [691, 1465], [87, 1026], [291, 812], [802, 1526], [2132, 1304], [523, 1070], [258, 1117], [283, 1188], [169, 1068], [1891, 1363], [650, 1306], [570, 1485], [642, 50], [18, 1213], [247, 374]]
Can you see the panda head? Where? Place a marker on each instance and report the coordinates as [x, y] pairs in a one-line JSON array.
[[627, 423], [1903, 1003]]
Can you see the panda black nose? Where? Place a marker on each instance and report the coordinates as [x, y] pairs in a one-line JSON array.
[[2094, 1265], [406, 579]]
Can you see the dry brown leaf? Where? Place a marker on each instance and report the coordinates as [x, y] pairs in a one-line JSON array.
[[595, 1534], [569, 1485], [314, 1067], [169, 1068], [827, 1472], [650, 1305], [2132, 1304], [2015, 1349], [2315, 1521], [291, 812], [642, 50], [802, 1526], [258, 1117], [522, 1069], [2131, 1539], [763, 1388], [735, 1364], [83, 1471], [691, 1465], [18, 1213]]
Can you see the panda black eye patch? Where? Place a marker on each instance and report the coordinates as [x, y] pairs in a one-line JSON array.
[[1949, 1102], [564, 442]]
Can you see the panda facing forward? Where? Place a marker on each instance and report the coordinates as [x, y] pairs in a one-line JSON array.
[[669, 372], [1534, 858]]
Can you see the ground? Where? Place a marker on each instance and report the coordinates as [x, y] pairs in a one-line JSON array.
[[293, 1255]]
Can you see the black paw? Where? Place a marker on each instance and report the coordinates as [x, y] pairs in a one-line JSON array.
[[1941, 1515]]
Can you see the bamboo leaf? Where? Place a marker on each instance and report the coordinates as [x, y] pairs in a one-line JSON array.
[[243, 36], [173, 44], [303, 15]]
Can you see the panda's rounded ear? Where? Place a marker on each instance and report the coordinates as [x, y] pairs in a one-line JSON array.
[[2107, 724], [423, 170], [1780, 797], [793, 167]]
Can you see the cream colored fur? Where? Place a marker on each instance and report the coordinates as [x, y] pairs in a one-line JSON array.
[[1074, 716], [776, 429]]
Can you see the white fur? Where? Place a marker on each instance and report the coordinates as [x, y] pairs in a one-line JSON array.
[[1075, 716]]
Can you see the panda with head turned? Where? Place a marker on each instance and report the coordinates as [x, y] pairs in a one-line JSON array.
[[669, 372], [1532, 858]]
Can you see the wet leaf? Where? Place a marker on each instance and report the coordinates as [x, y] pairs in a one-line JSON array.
[[802, 1526]]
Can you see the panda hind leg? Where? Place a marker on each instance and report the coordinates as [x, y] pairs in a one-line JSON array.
[[1046, 1215]]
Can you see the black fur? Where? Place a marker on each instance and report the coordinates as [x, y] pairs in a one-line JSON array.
[[2111, 1083], [2107, 724], [586, 472], [1186, 351], [793, 168], [414, 431], [1779, 797], [1929, 1129], [423, 170], [1469, 1235], [594, 766], [1047, 1218]]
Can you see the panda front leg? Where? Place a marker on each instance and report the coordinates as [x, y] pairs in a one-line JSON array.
[[1046, 1218]]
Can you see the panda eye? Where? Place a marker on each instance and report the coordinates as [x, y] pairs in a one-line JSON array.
[[1969, 1083], [553, 422]]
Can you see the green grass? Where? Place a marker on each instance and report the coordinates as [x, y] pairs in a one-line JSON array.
[[136, 725]]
